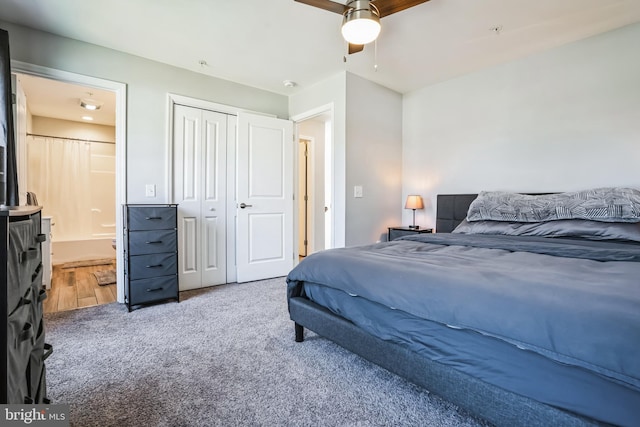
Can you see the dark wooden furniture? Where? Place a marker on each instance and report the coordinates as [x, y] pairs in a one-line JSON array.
[[396, 232], [23, 350], [151, 254]]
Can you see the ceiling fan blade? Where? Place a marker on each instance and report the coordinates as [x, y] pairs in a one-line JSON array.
[[387, 7], [329, 5], [355, 48]]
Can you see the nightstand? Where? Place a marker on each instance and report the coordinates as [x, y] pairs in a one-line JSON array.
[[395, 232]]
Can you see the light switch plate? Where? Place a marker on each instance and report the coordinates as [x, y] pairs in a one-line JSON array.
[[357, 191], [150, 190]]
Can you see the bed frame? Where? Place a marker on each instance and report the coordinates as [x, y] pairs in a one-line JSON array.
[[486, 401]]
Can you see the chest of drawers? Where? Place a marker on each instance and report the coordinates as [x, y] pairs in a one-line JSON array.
[[22, 347], [151, 254]]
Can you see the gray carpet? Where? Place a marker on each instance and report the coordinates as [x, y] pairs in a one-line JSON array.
[[222, 356]]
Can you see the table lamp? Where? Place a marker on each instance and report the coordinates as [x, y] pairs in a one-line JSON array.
[[414, 202]]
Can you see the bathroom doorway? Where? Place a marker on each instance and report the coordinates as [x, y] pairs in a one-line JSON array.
[[67, 164]]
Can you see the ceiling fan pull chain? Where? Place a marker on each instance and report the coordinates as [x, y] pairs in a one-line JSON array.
[[375, 55], [346, 48]]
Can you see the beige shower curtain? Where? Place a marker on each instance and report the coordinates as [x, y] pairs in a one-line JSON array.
[[59, 173]]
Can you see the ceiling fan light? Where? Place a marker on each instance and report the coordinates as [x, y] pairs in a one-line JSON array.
[[361, 24]]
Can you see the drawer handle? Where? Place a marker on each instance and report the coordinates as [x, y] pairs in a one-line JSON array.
[[23, 301], [154, 289], [30, 253], [153, 266], [154, 242], [35, 274], [42, 295], [26, 333], [48, 349], [151, 218]]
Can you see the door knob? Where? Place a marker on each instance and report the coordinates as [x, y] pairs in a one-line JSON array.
[[243, 205]]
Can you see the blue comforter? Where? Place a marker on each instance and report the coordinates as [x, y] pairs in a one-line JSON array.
[[576, 302]]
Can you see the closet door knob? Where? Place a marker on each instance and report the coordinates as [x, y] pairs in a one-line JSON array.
[[243, 205]]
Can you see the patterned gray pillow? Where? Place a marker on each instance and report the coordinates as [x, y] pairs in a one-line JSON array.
[[600, 204], [583, 228]]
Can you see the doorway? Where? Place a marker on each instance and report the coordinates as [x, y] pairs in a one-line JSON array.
[[43, 131], [305, 196], [315, 215]]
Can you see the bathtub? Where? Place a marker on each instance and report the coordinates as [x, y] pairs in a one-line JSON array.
[[80, 250]]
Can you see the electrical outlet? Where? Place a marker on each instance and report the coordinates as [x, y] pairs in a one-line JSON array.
[[150, 190]]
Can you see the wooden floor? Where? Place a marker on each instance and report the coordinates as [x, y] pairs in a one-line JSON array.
[[77, 287]]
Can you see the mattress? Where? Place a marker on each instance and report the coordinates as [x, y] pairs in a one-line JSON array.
[[489, 359], [556, 321]]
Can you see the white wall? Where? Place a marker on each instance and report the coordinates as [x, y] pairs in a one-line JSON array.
[[148, 84], [561, 120], [374, 160]]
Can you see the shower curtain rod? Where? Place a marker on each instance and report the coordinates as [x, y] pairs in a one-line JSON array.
[[70, 139]]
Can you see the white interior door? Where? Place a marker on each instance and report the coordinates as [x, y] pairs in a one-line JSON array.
[[265, 185], [200, 144]]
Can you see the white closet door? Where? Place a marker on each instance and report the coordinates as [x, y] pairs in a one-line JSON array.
[[200, 141], [214, 254], [265, 197], [232, 221]]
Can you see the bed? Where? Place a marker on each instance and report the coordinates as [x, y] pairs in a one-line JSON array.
[[523, 309]]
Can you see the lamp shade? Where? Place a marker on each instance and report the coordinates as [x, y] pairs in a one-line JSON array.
[[414, 202], [361, 24]]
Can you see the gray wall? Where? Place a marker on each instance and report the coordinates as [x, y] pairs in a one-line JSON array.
[[330, 93], [367, 130], [561, 120], [148, 84], [374, 160]]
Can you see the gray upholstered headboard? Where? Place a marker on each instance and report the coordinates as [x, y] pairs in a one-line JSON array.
[[451, 209]]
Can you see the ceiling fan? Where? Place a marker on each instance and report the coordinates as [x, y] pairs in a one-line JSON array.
[[361, 18]]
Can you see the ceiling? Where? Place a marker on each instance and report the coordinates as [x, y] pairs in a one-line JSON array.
[[261, 43], [59, 100]]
